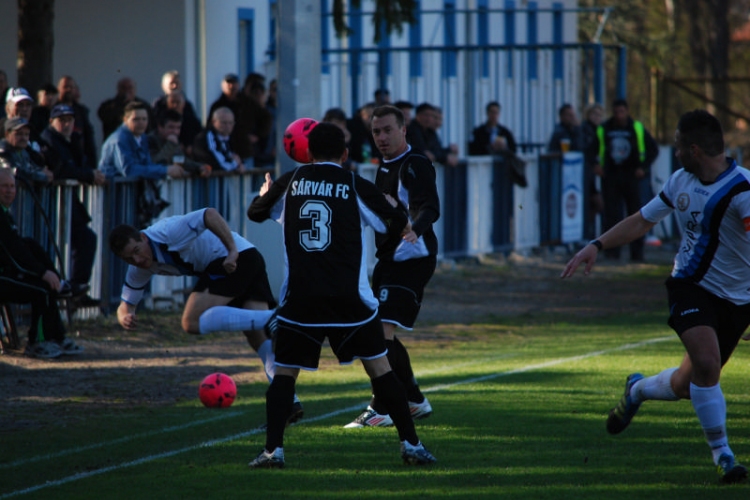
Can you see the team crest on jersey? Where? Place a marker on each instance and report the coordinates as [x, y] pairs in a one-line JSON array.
[[683, 202]]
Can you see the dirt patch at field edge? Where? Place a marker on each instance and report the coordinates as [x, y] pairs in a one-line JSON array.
[[117, 367]]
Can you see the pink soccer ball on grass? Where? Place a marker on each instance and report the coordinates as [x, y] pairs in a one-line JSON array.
[[295, 139], [217, 390]]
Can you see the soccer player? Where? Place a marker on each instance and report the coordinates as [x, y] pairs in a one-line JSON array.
[[709, 299], [324, 210], [232, 292], [404, 268]]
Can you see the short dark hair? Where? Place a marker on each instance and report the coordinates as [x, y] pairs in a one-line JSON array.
[[620, 102], [334, 114], [134, 106], [380, 92], [48, 88], [169, 115], [492, 104], [326, 142], [703, 129], [403, 105], [387, 109], [564, 108], [425, 106], [120, 236]]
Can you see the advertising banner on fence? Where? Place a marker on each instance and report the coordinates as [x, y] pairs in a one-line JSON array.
[[572, 198]]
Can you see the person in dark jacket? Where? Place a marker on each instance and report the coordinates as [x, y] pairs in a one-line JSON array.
[[67, 145], [27, 276]]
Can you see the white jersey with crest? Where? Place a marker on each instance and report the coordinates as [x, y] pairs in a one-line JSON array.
[[714, 220]]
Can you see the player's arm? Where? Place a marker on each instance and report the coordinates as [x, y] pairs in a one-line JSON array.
[[263, 206], [215, 223], [422, 194], [627, 230], [378, 212]]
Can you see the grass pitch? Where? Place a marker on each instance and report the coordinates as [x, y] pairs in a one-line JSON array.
[[520, 405]]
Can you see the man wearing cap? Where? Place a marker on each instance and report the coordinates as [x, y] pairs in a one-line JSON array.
[[27, 275], [70, 161], [15, 152], [20, 104], [70, 94]]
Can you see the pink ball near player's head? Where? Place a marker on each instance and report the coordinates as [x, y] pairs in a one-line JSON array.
[[295, 139]]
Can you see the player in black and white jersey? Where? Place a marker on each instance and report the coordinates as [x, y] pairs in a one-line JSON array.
[[324, 211], [709, 299], [404, 268], [232, 292]]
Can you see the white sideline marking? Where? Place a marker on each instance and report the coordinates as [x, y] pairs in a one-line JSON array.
[[213, 442]]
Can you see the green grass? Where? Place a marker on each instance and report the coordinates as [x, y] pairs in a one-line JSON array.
[[519, 413]]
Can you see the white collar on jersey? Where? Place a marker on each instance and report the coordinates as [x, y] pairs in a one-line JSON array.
[[408, 148]]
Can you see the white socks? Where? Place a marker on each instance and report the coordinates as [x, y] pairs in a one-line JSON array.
[[231, 319], [265, 353], [656, 387], [711, 408]]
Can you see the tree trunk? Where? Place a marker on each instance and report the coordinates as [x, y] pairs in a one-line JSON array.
[[719, 57], [35, 43]]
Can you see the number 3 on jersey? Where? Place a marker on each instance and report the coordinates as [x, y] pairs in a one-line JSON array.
[[318, 237]]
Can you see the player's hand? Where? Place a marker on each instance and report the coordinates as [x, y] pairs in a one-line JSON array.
[[52, 280], [99, 178], [230, 262], [267, 184], [408, 234], [587, 254], [126, 316], [205, 170]]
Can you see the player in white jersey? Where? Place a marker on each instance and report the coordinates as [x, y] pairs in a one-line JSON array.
[[709, 300], [232, 292]]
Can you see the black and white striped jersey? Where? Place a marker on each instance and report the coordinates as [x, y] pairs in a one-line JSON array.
[[324, 211], [410, 179]]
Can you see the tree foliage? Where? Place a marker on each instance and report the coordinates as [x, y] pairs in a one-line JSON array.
[[683, 42], [389, 14]]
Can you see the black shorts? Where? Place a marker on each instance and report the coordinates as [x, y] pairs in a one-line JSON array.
[[690, 305], [298, 346], [248, 282], [399, 287]]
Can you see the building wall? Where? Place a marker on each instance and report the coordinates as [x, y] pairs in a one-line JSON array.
[[100, 41]]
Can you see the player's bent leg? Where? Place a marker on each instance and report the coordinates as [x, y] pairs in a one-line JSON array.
[[225, 318], [198, 303]]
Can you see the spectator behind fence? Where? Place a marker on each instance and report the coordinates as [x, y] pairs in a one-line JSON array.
[[491, 138], [625, 151], [213, 146], [257, 120], [125, 152], [70, 94], [447, 156], [337, 116], [28, 276], [171, 84], [46, 98], [567, 135], [16, 153], [593, 116], [421, 134], [406, 109], [382, 96], [362, 148], [20, 104], [165, 147], [67, 145], [111, 111]]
